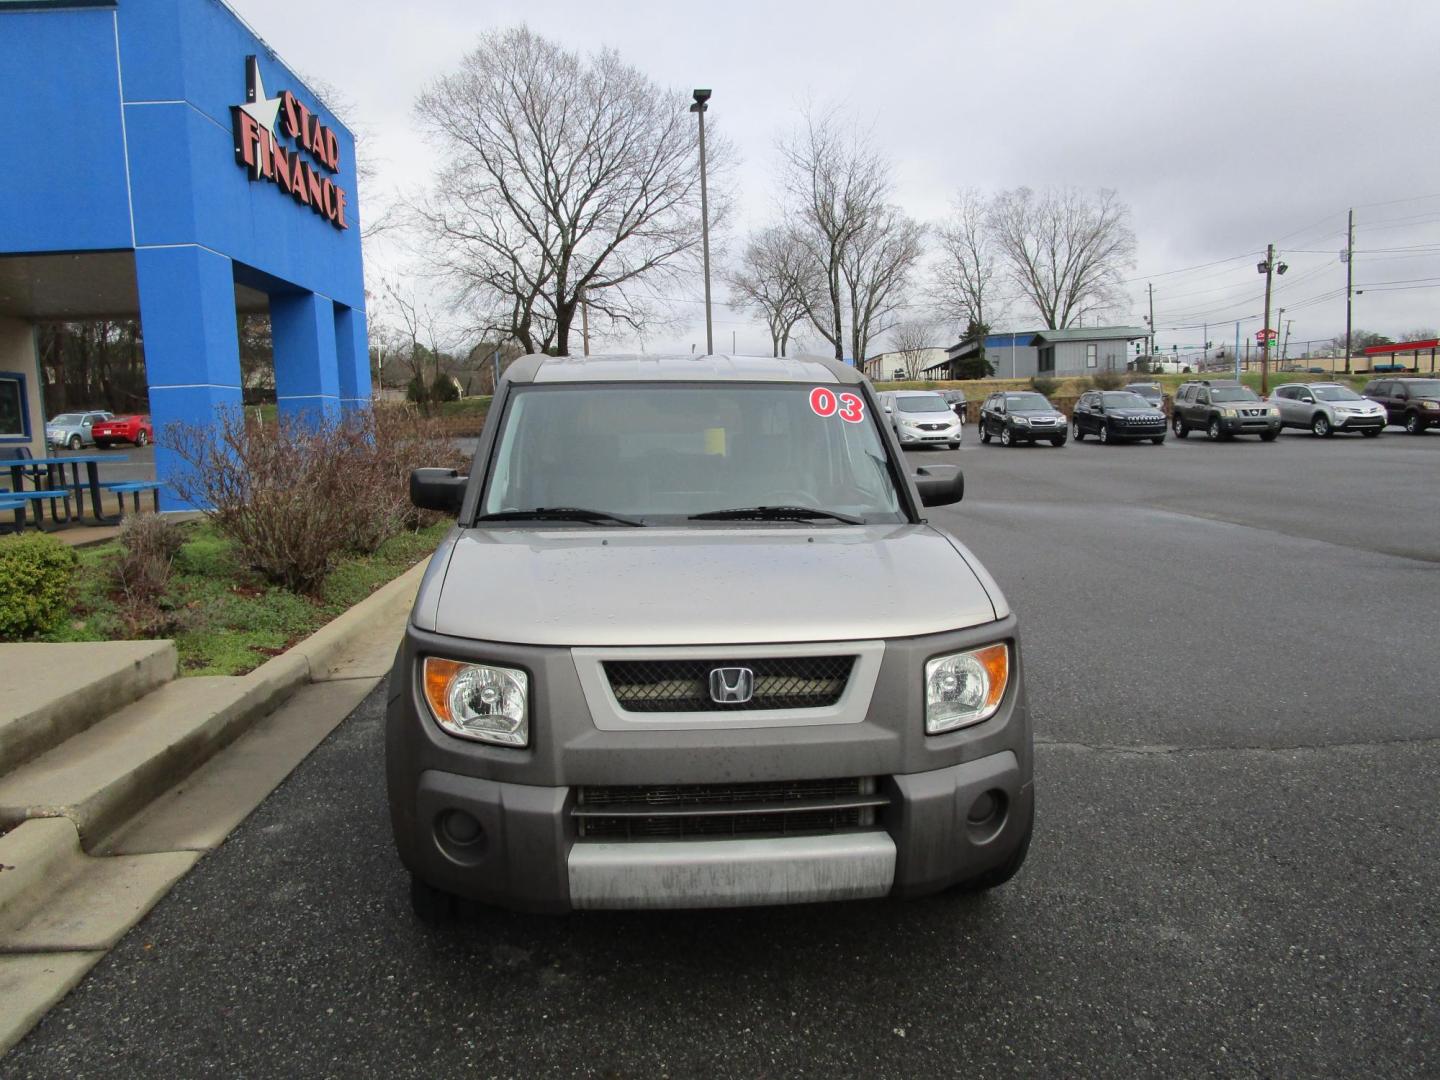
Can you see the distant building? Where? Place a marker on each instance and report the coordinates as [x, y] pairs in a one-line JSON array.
[[893, 365], [1075, 351]]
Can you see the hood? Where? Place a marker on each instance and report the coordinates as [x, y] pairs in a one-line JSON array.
[[1136, 414], [700, 586]]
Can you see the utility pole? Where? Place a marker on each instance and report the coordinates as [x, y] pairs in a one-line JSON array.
[[1269, 269], [1204, 345], [699, 108], [1285, 347], [1151, 349], [1349, 283], [733, 346]]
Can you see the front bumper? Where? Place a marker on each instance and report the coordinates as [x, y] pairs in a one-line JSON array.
[[1249, 425], [913, 438], [1352, 422], [529, 854]]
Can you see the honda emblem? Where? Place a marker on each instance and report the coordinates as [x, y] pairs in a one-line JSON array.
[[731, 685]]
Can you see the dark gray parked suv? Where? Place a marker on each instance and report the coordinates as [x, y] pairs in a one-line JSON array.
[[693, 643]]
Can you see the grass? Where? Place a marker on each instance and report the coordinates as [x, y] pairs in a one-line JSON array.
[[230, 620]]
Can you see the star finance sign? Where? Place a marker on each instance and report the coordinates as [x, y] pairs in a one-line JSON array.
[[259, 151]]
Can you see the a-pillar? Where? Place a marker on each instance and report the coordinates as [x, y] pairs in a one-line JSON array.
[[307, 376], [192, 350], [352, 350]]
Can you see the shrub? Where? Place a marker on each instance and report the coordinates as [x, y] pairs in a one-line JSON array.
[[975, 367], [1042, 385], [416, 391], [297, 496], [1107, 380], [36, 573], [444, 389], [142, 571]]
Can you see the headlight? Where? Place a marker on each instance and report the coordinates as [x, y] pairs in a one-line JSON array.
[[1274, 411], [1432, 404], [478, 701], [1020, 420], [965, 688], [1228, 412]]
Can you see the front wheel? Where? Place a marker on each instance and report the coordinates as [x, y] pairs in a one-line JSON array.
[[1321, 426], [1414, 425], [1181, 431], [1104, 433], [955, 446], [74, 442], [1269, 436], [1075, 430], [984, 434], [1006, 439], [1371, 433], [1158, 440], [1058, 440], [1214, 431]]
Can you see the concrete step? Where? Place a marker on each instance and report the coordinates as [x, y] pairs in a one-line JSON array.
[[106, 773], [50, 692]]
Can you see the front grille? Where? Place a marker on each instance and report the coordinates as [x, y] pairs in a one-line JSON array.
[[933, 427], [1254, 412], [781, 808], [788, 682]]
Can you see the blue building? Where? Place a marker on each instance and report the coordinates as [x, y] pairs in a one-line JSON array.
[[160, 160]]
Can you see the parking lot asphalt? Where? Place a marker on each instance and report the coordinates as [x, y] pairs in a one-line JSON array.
[[1231, 652]]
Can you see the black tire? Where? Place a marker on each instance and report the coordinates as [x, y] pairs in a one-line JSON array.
[[142, 439], [954, 446], [1181, 429], [75, 443], [1320, 425], [984, 434], [999, 875], [1158, 440], [1104, 433], [1058, 440], [432, 906], [1006, 439], [1079, 435], [1371, 433], [1269, 436], [1213, 431], [1414, 425]]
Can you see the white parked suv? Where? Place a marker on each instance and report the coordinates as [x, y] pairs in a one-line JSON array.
[[922, 417]]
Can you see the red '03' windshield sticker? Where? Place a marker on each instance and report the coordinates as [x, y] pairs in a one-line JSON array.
[[825, 402]]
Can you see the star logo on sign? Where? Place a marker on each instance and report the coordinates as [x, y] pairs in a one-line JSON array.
[[265, 111]]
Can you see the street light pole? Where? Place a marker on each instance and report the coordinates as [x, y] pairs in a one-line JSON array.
[[1349, 283], [701, 97]]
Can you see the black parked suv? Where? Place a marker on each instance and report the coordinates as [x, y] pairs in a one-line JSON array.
[[1021, 416], [1223, 409], [1412, 402], [1117, 416]]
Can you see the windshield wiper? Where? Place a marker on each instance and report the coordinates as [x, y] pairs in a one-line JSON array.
[[562, 513], [774, 513]]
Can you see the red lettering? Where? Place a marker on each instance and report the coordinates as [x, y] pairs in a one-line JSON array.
[[304, 133], [332, 149], [291, 108], [280, 164], [339, 218], [298, 187], [327, 189], [317, 137], [246, 131], [317, 193]]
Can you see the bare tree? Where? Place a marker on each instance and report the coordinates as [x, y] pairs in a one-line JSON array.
[[912, 339], [836, 183], [1064, 250], [769, 282], [966, 278], [876, 268], [563, 176]]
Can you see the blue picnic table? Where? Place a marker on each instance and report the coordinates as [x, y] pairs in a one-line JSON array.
[[52, 471]]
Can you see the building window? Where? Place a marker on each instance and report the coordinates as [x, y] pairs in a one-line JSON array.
[[14, 417], [1091, 358], [1047, 358]]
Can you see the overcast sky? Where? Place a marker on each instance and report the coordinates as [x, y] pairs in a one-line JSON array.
[[1223, 125]]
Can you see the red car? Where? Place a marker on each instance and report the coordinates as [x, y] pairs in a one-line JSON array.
[[131, 429]]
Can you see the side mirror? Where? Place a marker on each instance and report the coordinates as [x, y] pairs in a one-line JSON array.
[[437, 489], [940, 485]]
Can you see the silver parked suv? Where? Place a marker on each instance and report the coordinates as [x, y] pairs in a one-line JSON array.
[[693, 643], [1326, 408]]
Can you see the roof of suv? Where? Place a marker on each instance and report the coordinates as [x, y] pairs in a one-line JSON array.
[[635, 367]]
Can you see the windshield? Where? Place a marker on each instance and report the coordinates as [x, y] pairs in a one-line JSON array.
[[1121, 400], [1027, 403], [1336, 393], [1232, 393], [1423, 387], [921, 403], [70, 418], [1145, 391], [670, 451]]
